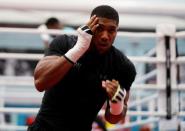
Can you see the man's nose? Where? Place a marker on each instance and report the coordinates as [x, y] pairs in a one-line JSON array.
[[104, 36]]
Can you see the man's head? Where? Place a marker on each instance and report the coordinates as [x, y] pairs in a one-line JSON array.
[[106, 11], [104, 36], [53, 23]]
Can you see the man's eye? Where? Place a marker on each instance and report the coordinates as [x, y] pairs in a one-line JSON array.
[[99, 29], [112, 30]]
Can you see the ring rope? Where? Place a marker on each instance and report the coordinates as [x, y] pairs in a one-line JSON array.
[[51, 31]]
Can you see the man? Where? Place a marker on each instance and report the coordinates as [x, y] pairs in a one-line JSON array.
[[51, 23], [80, 74]]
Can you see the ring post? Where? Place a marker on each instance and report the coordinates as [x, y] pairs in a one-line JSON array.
[[166, 103]]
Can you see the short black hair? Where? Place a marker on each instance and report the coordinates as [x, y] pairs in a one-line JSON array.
[[106, 11], [52, 21]]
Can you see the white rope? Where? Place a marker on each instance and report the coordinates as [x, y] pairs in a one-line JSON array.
[[17, 95], [143, 100], [26, 56], [6, 127], [19, 110], [147, 87], [181, 113], [23, 78], [146, 76], [16, 80], [150, 52], [33, 31], [146, 113], [180, 34], [181, 87], [180, 60], [58, 32], [16, 83], [154, 87], [52, 31], [35, 111], [145, 59], [21, 56], [139, 34]]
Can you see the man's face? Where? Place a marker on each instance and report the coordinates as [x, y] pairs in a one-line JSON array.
[[104, 35], [57, 26]]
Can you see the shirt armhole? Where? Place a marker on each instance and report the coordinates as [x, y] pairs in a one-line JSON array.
[[58, 47]]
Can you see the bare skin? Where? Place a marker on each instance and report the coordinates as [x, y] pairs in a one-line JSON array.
[[49, 71], [104, 35]]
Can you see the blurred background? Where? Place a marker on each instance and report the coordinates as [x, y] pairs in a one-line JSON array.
[[20, 46], [134, 14]]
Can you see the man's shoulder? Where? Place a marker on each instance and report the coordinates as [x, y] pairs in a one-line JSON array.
[[119, 54], [68, 39], [60, 45], [71, 39], [123, 59]]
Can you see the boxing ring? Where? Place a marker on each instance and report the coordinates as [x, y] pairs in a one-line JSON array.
[[158, 90]]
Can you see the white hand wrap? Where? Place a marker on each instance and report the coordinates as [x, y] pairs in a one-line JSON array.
[[119, 95], [82, 44], [117, 102]]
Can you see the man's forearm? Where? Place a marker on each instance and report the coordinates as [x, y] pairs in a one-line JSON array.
[[115, 118]]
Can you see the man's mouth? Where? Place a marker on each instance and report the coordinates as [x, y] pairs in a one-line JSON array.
[[103, 44]]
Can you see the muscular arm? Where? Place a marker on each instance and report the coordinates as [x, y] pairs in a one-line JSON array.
[[116, 118], [49, 71]]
